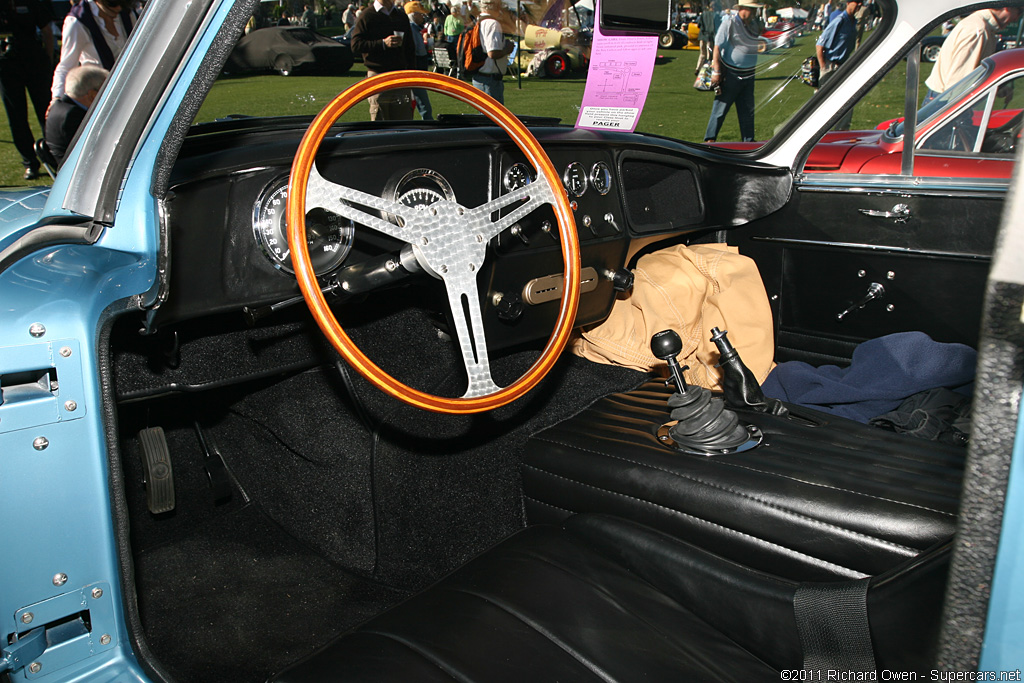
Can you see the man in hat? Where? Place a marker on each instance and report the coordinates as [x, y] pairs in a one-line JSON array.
[[733, 60], [383, 36], [835, 45]]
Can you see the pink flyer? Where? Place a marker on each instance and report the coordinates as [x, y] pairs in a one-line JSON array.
[[618, 80]]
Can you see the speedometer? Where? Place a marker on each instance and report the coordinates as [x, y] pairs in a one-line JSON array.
[[328, 235], [517, 176]]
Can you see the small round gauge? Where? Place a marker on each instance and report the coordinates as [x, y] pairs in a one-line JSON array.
[[328, 235], [575, 179], [601, 178], [517, 176]]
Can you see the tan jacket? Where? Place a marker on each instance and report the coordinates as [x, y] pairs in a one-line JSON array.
[[690, 290]]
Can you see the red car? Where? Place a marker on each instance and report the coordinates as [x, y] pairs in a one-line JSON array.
[[970, 130]]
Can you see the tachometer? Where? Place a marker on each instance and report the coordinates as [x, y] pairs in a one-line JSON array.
[[328, 235], [575, 179]]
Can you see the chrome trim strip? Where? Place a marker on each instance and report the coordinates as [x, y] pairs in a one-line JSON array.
[[874, 247], [846, 183]]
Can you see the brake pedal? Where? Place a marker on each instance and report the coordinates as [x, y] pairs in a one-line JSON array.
[[159, 476]]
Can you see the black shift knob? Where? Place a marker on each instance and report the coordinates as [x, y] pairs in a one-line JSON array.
[[666, 345]]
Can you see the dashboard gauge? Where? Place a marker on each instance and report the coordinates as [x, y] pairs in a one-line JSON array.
[[575, 179], [328, 235], [517, 176], [420, 187], [601, 178]]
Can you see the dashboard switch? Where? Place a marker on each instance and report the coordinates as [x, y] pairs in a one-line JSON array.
[[622, 280], [509, 306]]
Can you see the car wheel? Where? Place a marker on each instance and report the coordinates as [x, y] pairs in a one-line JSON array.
[[556, 65], [667, 40], [929, 53]]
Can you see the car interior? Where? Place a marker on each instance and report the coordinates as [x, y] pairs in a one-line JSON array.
[[284, 518]]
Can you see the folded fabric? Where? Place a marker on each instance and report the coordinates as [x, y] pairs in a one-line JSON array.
[[883, 373], [937, 415], [689, 290]]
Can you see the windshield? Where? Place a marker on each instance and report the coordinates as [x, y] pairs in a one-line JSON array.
[[762, 63]]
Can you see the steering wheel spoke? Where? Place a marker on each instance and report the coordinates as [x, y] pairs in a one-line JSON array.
[[344, 201], [447, 239], [536, 194]]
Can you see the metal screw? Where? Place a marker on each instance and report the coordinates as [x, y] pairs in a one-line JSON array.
[[60, 578], [472, 267], [424, 241], [391, 266], [443, 268], [70, 406], [861, 273], [65, 351], [37, 329], [97, 593], [890, 308], [890, 275], [27, 618], [40, 443], [104, 639], [35, 667]]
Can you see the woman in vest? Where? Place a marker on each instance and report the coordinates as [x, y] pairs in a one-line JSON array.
[[95, 32]]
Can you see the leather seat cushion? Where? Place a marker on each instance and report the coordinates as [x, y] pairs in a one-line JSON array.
[[823, 498], [604, 599]]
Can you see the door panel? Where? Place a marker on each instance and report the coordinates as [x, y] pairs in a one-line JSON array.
[[929, 261]]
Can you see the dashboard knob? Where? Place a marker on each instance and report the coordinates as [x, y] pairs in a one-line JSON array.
[[622, 280], [509, 307]]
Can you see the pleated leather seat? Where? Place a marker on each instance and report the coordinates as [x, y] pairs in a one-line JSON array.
[[603, 599], [823, 498]]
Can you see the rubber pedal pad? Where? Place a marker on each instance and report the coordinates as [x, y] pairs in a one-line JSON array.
[[159, 476]]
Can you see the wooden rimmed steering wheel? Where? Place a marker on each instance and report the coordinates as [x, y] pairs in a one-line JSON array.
[[449, 241]]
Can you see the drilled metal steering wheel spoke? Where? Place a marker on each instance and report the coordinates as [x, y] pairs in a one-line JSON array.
[[536, 194], [345, 201], [463, 297]]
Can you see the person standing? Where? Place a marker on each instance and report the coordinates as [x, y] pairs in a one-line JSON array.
[[453, 27], [383, 36], [490, 76], [834, 46], [973, 39], [418, 20], [25, 61], [348, 17], [94, 32], [733, 61], [308, 17], [68, 111], [705, 36]]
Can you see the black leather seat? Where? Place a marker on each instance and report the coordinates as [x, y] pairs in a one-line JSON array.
[[605, 599], [822, 499]]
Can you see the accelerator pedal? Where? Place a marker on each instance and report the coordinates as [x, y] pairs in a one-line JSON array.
[[159, 477]]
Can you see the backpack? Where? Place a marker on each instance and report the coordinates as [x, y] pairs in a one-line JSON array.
[[469, 52]]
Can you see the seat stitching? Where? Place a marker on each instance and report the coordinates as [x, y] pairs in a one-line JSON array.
[[551, 637], [737, 493], [550, 505], [429, 658], [707, 522]]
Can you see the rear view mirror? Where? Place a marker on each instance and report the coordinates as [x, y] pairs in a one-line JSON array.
[[645, 17]]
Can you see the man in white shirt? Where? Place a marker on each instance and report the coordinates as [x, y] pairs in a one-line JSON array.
[[971, 41], [489, 77], [95, 32]]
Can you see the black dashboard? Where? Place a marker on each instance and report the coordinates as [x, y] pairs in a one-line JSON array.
[[224, 215]]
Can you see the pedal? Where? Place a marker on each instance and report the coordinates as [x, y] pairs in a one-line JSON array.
[[216, 468], [159, 477]]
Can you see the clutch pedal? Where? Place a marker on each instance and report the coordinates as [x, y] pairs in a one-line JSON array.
[[159, 476]]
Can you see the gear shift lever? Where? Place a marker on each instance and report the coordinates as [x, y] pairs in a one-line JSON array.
[[738, 382], [703, 424]]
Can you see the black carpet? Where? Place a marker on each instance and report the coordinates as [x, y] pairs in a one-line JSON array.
[[256, 601]]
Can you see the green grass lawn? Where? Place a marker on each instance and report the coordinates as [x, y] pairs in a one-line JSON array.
[[674, 108]]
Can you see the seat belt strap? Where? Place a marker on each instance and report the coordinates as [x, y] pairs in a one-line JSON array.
[[832, 619]]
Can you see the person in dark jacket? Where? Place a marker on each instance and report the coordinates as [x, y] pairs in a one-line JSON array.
[[68, 111], [383, 36], [26, 50]]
